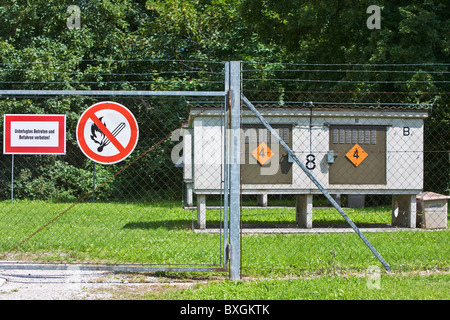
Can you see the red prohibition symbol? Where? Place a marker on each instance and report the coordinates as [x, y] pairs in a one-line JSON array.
[[107, 132]]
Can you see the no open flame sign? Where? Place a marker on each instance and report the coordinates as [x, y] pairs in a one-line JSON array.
[[107, 132]]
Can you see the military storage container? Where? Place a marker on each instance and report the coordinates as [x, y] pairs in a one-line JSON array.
[[351, 150]]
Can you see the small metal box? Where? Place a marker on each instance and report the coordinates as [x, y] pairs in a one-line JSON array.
[[432, 210]]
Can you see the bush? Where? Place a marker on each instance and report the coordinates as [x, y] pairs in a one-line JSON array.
[[60, 182]]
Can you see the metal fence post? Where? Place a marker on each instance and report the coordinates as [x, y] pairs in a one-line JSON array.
[[225, 165], [235, 170], [12, 178]]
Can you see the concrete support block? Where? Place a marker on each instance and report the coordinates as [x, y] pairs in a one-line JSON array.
[[356, 200], [262, 200], [404, 210], [337, 198], [304, 208], [189, 194], [201, 211]]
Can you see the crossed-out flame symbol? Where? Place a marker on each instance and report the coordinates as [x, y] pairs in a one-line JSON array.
[[102, 140]]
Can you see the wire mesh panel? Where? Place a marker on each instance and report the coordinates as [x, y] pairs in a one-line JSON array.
[[70, 209], [375, 152], [379, 146]]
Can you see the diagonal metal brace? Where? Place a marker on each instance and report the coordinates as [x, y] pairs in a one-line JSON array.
[[319, 186]]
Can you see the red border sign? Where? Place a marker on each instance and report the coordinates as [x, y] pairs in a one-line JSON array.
[[34, 134], [90, 116]]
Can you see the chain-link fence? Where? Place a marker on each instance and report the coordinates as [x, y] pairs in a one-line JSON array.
[[382, 155], [70, 209], [375, 150]]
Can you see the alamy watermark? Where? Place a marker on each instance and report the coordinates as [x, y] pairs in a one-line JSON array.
[[212, 151], [73, 280], [374, 20], [74, 20], [373, 277]]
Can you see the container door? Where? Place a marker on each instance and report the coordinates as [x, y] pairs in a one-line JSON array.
[[360, 154], [263, 159]]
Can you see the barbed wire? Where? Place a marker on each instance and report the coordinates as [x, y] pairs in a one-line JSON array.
[[105, 82], [345, 71], [118, 60], [347, 81], [112, 74], [348, 64]]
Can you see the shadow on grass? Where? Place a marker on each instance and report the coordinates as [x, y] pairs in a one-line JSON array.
[[186, 224], [181, 224]]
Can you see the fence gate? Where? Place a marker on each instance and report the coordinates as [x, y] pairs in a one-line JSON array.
[[138, 214]]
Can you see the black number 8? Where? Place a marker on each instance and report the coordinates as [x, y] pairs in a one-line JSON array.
[[310, 161]]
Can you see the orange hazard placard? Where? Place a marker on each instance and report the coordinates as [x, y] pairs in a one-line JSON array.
[[356, 155], [262, 153]]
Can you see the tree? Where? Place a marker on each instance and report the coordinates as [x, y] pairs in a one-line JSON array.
[[181, 44]]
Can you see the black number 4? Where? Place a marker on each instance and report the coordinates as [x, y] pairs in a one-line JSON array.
[[355, 154]]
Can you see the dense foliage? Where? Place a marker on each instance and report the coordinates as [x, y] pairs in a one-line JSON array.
[[152, 45]]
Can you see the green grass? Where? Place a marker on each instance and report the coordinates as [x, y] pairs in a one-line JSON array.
[[391, 287], [321, 216], [161, 234], [106, 232]]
